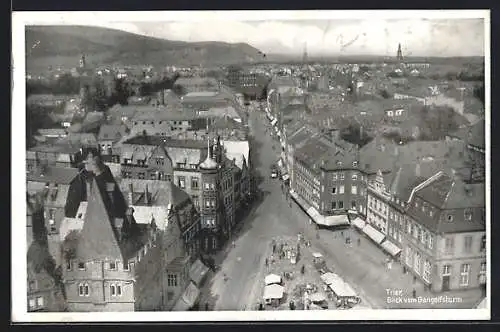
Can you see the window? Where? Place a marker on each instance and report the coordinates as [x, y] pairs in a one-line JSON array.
[[207, 186], [429, 241], [468, 215], [342, 176], [408, 256], [207, 203], [353, 205], [126, 266], [449, 218], [39, 301], [160, 161], [81, 266], [446, 270], [214, 243], [449, 245], [195, 183], [416, 263], [334, 205], [181, 182], [482, 273], [32, 285], [354, 177], [172, 280], [354, 164], [467, 244], [341, 189], [118, 290], [141, 175], [112, 290], [83, 289], [152, 176], [430, 212], [464, 274], [334, 190], [483, 243], [334, 176], [427, 271], [341, 204], [354, 190], [112, 265], [196, 200], [31, 303], [68, 265]]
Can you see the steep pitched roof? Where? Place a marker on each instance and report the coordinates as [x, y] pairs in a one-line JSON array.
[[98, 237]]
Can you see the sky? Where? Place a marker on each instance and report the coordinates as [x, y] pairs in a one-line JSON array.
[[322, 32], [418, 37]]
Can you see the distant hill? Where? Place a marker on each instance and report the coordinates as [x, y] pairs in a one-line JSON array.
[[62, 46]]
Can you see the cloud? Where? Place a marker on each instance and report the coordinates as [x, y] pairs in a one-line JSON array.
[[419, 37]]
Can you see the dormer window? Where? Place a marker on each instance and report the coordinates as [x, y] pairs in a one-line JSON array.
[[449, 217], [354, 164], [112, 266]]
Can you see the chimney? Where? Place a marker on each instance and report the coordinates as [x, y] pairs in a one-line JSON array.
[[146, 195], [130, 194]]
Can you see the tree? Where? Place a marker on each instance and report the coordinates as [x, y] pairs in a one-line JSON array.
[[384, 93], [352, 134]]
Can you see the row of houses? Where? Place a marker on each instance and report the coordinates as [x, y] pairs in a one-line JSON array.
[[422, 202]]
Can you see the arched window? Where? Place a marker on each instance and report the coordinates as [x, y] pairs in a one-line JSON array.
[[112, 290]]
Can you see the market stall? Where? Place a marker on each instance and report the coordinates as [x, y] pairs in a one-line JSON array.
[[273, 294]]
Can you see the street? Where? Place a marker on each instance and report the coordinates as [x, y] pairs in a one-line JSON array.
[[237, 285]]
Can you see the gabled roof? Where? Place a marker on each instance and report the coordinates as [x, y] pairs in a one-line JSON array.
[[57, 175], [98, 237], [112, 132]]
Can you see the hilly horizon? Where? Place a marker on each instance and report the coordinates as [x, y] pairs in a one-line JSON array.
[[62, 46]]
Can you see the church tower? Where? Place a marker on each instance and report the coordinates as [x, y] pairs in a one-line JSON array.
[[400, 54]]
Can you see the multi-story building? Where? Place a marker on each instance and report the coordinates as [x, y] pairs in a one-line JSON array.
[[52, 184], [445, 240], [112, 264], [162, 122], [326, 177], [191, 167], [109, 135], [43, 291]]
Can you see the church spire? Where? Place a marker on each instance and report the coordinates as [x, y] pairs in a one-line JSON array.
[[400, 53]]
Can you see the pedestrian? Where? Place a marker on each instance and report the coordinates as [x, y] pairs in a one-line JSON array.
[[342, 233], [414, 293], [206, 306], [266, 262], [303, 269], [359, 241]]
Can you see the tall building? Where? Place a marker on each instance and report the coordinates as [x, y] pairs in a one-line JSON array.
[[399, 56]]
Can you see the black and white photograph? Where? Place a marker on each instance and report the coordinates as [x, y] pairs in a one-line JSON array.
[[251, 165]]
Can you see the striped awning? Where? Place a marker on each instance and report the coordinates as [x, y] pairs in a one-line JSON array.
[[359, 223], [391, 248], [372, 233]]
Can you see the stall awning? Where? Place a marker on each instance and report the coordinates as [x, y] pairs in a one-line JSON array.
[[273, 122], [272, 279], [197, 272], [329, 278], [373, 234], [272, 292], [188, 298], [286, 177], [391, 248], [317, 255], [342, 289], [338, 220], [317, 297], [359, 223]]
